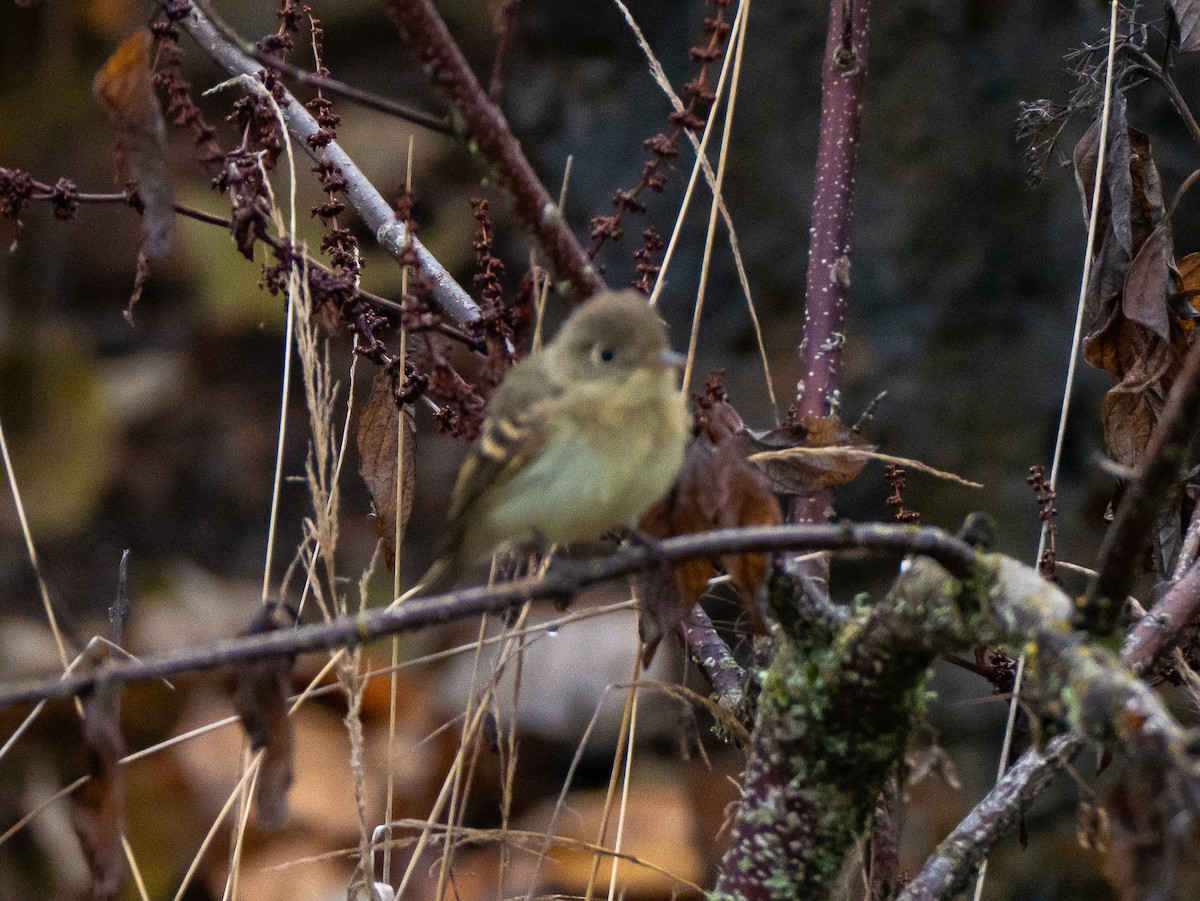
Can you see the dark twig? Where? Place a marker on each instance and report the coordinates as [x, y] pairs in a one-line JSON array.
[[560, 583], [426, 33], [505, 22], [958, 857], [118, 613], [45, 192], [375, 211], [1144, 62], [713, 658], [363, 98], [1144, 496], [1153, 634]]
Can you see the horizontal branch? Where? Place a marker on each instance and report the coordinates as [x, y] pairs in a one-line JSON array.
[[562, 582], [376, 212]]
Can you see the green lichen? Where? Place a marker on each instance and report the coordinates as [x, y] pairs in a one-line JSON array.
[[835, 713]]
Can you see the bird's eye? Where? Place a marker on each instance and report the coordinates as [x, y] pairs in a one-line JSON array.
[[603, 354]]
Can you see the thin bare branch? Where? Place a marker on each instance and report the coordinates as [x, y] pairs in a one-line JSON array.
[[562, 582], [375, 211]]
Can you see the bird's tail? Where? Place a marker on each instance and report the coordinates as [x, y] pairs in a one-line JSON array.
[[442, 576]]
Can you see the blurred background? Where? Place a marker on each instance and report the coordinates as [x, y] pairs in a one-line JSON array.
[[160, 437]]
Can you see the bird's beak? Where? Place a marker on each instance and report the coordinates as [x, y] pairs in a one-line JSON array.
[[670, 359]]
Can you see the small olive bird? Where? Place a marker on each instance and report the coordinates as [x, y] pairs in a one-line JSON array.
[[582, 436]]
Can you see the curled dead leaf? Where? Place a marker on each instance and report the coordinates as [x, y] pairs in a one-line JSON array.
[[805, 474], [378, 442], [1137, 323], [834, 459], [261, 700], [98, 811], [716, 488], [125, 88]]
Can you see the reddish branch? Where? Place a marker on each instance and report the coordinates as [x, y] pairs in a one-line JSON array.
[[843, 78], [562, 582], [423, 29]]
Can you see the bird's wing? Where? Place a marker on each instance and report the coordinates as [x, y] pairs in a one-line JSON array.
[[513, 434]]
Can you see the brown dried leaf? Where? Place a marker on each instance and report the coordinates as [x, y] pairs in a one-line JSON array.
[[1145, 366], [1188, 272], [1189, 275], [98, 813], [260, 699], [1132, 331], [808, 473], [845, 456], [125, 88], [377, 452], [1132, 258], [1187, 18], [1148, 281], [1142, 861], [716, 488]]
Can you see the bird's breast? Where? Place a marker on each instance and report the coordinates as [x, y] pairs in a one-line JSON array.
[[613, 457]]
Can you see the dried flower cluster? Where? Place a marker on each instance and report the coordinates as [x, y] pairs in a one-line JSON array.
[[663, 148]]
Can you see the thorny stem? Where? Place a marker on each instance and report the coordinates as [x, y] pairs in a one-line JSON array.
[[480, 120], [843, 77], [561, 582], [374, 210], [827, 287]]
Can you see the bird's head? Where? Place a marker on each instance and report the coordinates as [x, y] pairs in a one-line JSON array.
[[609, 338]]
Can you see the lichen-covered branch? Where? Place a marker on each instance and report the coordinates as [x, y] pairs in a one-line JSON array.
[[714, 659], [478, 118], [838, 703], [958, 858], [390, 233]]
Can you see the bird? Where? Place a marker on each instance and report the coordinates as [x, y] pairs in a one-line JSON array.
[[582, 436]]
